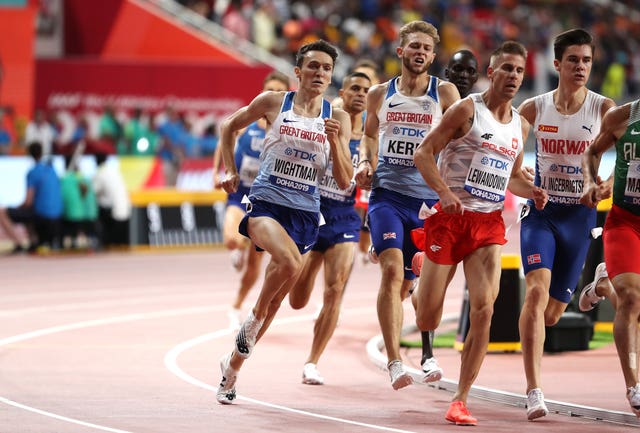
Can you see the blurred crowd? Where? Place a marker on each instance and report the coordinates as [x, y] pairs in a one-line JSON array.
[[368, 29], [168, 135]]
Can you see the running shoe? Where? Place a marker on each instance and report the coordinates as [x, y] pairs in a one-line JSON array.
[[237, 259], [432, 371], [416, 262], [633, 395], [373, 257], [235, 321], [588, 297], [399, 376], [536, 408], [246, 338], [227, 389], [311, 375], [459, 414]]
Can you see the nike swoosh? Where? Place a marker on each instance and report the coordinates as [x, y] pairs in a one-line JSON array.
[[346, 236], [288, 120], [395, 105], [634, 132]]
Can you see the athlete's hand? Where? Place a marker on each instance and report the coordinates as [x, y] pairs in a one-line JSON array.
[[231, 182], [594, 192], [332, 129], [529, 173], [364, 175], [450, 203], [540, 197]]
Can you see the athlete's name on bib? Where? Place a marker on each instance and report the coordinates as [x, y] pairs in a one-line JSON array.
[[298, 171]]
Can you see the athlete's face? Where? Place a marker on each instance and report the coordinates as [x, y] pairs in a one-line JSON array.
[[275, 86], [418, 53], [462, 72], [315, 72], [354, 94], [575, 65], [506, 74]]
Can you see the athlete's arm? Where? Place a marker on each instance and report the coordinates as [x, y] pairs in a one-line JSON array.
[[338, 130], [369, 142], [613, 126], [455, 122], [521, 185], [449, 94], [266, 105]]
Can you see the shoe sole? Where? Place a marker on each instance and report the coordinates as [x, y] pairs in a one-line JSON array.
[[461, 422], [538, 413], [308, 381], [432, 376], [402, 381]]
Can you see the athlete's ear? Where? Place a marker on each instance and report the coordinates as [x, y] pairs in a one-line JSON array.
[[399, 51], [556, 65], [297, 72]]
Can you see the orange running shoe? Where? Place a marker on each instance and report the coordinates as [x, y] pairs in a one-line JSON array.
[[459, 414]]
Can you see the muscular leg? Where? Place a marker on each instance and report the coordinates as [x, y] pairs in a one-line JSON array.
[[531, 324], [390, 314], [338, 262], [249, 276], [300, 293], [625, 324], [482, 272]]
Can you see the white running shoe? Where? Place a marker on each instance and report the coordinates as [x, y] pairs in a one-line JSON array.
[[227, 390], [237, 259], [373, 257], [588, 297], [246, 337], [432, 371], [235, 321], [633, 395], [311, 375], [536, 408], [399, 376]]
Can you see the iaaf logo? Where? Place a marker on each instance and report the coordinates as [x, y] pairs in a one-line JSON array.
[[302, 154]]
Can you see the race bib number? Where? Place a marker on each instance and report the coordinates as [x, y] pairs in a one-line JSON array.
[[249, 170], [632, 185]]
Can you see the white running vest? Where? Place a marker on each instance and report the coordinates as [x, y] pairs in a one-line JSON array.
[[560, 142], [477, 166]]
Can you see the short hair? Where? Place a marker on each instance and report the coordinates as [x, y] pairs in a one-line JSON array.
[[418, 27], [365, 63], [355, 75], [277, 76], [35, 150], [508, 47], [319, 45], [571, 37]]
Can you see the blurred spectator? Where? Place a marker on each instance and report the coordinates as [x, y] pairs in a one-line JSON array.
[[41, 131], [138, 138], [80, 210], [42, 207], [109, 131], [169, 150], [209, 141], [114, 205], [614, 82], [5, 137]]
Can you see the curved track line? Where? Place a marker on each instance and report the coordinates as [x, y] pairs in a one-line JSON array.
[[171, 362], [88, 324]]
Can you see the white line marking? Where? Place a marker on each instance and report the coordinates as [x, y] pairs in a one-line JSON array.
[[89, 324], [60, 417], [170, 361]]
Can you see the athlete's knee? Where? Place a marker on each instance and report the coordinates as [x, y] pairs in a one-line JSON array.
[[481, 314], [551, 318], [427, 322]]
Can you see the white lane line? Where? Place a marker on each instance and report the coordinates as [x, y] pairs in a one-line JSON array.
[[171, 362], [88, 324], [60, 417]]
